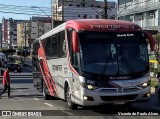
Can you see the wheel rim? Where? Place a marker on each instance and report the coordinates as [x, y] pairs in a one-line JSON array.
[[68, 96]]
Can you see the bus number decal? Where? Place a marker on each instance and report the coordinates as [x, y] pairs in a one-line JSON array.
[[90, 82], [57, 67]]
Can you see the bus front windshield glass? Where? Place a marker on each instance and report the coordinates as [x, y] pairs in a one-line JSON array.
[[113, 53]]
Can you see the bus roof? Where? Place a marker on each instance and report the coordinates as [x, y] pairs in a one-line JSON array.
[[102, 25], [94, 25]]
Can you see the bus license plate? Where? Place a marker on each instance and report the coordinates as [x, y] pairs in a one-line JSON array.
[[119, 102]]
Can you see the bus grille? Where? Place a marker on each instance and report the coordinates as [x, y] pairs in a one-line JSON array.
[[108, 90], [134, 89], [114, 98]]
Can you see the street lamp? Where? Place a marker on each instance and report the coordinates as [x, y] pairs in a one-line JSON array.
[[40, 9]]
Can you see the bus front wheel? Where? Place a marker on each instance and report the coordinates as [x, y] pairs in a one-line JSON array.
[[69, 102]]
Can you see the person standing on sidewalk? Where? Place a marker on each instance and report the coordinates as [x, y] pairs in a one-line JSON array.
[[6, 82]]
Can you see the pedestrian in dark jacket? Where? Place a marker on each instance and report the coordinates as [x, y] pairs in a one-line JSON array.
[[6, 82]]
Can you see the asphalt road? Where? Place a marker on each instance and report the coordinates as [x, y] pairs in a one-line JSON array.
[[26, 98]]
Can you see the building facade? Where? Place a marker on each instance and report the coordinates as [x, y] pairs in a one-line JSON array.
[[81, 9], [145, 13], [9, 32], [39, 26], [0, 35], [23, 34]]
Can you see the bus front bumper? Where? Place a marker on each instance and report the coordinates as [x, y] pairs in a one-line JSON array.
[[92, 98]]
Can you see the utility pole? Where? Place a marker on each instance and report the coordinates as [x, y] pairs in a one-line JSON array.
[[52, 14], [25, 41], [105, 9], [62, 10]]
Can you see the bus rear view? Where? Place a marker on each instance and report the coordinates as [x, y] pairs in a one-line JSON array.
[[106, 62]]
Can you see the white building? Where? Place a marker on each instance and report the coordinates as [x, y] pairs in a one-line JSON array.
[[145, 13], [39, 26], [81, 9]]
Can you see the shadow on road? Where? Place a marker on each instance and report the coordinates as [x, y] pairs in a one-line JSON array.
[[27, 96]]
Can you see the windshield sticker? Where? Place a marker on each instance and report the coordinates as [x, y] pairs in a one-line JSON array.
[[124, 35]]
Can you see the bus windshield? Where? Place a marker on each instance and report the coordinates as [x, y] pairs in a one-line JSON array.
[[123, 53]]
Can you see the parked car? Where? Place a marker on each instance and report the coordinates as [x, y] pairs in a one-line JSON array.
[[27, 67], [15, 67]]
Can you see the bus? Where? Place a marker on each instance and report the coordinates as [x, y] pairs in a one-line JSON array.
[[92, 62]]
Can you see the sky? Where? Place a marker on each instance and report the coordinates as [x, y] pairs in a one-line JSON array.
[[29, 3]]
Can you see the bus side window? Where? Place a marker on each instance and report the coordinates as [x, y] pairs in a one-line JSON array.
[[73, 56], [61, 44], [75, 61], [54, 46]]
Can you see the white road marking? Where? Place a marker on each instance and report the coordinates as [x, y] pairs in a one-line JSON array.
[[155, 107], [36, 98], [20, 91], [23, 92], [48, 104]]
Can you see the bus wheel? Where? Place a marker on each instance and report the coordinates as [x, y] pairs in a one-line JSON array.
[[69, 102], [45, 96], [159, 94]]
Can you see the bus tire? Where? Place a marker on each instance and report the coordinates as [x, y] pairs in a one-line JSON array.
[[159, 94], [69, 102], [45, 95]]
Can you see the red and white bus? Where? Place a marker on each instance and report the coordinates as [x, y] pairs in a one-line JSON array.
[[92, 62]]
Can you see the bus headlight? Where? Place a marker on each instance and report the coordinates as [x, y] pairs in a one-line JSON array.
[[88, 86], [145, 84]]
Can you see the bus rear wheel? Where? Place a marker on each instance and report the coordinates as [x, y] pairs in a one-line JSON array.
[[69, 102]]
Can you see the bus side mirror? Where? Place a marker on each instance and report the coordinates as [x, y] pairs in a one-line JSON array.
[[75, 41], [151, 40]]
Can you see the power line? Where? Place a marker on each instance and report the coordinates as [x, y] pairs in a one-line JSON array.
[[92, 8], [23, 6], [21, 13], [19, 10]]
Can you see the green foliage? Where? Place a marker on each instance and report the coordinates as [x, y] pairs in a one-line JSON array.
[[154, 83], [8, 51], [17, 62], [22, 52]]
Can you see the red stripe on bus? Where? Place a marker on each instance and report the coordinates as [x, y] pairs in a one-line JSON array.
[[41, 53], [50, 77], [46, 81]]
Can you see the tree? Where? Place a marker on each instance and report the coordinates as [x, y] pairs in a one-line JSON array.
[[19, 52], [22, 52], [8, 51]]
